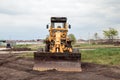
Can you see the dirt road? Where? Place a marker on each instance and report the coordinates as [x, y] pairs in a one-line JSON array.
[[18, 68]]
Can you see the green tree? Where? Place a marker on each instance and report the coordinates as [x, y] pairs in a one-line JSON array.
[[110, 34], [72, 37]]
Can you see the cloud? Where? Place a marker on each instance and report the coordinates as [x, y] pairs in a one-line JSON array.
[[26, 16]]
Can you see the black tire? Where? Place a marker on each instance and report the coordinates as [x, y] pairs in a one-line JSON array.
[[76, 51], [47, 48], [68, 44]]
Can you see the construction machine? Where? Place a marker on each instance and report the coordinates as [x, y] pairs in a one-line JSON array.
[[58, 53]]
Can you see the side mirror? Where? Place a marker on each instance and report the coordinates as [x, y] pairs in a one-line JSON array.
[[69, 26], [47, 26]]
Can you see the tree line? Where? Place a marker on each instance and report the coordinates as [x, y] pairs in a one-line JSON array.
[[109, 34]]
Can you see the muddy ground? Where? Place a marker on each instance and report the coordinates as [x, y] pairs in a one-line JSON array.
[[18, 68], [16, 49]]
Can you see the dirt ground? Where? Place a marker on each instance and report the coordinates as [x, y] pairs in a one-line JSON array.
[[16, 49], [18, 68]]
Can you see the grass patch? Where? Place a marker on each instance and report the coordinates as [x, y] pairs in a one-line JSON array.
[[108, 56], [22, 46], [95, 46]]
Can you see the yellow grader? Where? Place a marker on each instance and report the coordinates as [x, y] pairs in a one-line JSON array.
[[58, 53]]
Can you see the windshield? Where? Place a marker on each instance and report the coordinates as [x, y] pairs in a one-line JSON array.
[[58, 25]]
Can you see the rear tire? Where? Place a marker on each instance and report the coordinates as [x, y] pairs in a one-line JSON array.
[[47, 48], [75, 50]]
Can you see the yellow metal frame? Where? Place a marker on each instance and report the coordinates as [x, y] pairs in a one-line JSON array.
[[56, 35]]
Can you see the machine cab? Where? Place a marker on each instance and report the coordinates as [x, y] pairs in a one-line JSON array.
[[58, 22]]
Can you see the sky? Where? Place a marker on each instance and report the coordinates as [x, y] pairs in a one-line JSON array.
[[27, 19]]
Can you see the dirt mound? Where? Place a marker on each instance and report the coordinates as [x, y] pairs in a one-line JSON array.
[[18, 49], [18, 68]]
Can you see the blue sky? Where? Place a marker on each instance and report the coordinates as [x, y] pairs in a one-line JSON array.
[[27, 19]]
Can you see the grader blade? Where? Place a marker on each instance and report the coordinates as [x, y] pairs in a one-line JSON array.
[[58, 61]]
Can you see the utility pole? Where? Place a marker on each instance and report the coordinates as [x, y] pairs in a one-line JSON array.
[[89, 38]]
